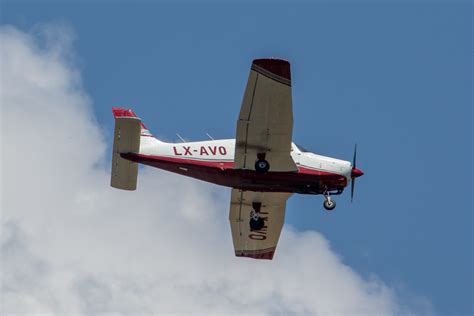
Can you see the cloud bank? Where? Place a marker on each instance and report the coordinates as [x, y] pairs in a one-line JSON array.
[[72, 244]]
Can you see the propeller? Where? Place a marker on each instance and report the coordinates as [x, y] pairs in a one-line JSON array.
[[355, 172]]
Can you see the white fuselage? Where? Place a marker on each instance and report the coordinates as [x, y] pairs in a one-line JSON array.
[[222, 151]]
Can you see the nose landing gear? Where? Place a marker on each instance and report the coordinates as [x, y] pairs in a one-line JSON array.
[[328, 204]]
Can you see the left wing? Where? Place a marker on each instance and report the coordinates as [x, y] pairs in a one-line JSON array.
[[265, 124], [257, 244]]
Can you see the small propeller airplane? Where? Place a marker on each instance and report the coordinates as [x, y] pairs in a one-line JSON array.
[[262, 165]]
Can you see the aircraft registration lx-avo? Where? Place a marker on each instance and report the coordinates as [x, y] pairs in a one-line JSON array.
[[262, 165]]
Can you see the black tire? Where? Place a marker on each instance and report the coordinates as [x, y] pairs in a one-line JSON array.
[[262, 166], [257, 224], [329, 205]]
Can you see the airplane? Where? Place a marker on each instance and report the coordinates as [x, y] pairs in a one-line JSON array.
[[262, 165]]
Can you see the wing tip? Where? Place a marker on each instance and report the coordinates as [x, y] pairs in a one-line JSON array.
[[275, 66], [267, 255]]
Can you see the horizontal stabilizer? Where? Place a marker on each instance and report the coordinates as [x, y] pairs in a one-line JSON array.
[[126, 140]]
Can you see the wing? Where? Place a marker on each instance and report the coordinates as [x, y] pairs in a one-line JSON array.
[[265, 122], [257, 244]]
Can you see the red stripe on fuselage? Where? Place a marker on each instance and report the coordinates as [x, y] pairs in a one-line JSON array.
[[306, 180]]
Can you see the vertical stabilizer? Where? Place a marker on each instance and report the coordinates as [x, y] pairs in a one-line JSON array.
[[126, 140]]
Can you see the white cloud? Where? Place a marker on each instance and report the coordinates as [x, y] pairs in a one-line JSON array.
[[71, 243]]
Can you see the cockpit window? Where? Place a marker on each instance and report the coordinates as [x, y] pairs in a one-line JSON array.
[[302, 149]]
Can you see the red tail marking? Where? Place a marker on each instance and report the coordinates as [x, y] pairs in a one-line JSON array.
[[119, 112]]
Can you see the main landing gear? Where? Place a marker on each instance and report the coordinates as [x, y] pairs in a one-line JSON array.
[[262, 166], [328, 204], [256, 220]]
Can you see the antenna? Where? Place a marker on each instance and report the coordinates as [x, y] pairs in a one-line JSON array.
[[179, 136], [209, 136]]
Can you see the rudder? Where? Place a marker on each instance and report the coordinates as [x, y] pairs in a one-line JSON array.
[[126, 140]]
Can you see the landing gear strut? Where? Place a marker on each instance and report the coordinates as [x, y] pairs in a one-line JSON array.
[[328, 204], [256, 220]]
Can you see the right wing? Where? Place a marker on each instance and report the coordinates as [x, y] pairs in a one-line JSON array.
[[257, 244], [265, 122]]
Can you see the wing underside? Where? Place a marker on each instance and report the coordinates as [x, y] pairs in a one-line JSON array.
[[265, 122], [257, 244]]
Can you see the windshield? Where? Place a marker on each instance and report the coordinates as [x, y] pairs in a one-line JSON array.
[[302, 149]]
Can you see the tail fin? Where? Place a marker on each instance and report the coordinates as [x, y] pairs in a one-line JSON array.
[[118, 112], [146, 137], [128, 130]]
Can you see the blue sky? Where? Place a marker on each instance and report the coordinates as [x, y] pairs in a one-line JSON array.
[[395, 78]]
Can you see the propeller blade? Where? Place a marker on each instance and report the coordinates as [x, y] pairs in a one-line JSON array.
[[354, 175], [352, 189], [355, 156]]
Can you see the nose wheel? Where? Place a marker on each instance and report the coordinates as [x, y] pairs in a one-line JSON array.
[[328, 204]]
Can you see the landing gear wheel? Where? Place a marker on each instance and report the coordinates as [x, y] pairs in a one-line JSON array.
[[329, 204], [256, 224], [262, 166]]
